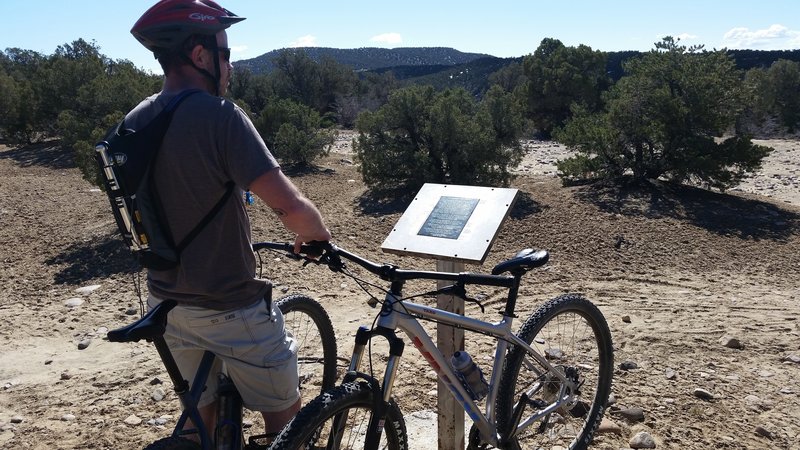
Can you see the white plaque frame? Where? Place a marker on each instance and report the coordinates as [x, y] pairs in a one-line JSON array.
[[475, 238]]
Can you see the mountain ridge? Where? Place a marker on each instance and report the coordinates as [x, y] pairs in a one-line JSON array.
[[383, 59], [368, 58], [446, 67]]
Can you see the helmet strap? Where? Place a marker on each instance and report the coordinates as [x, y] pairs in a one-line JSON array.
[[215, 79]]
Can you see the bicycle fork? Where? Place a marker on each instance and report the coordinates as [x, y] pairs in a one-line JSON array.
[[381, 394]]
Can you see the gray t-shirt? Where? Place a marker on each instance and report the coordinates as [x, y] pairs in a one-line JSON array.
[[210, 141]]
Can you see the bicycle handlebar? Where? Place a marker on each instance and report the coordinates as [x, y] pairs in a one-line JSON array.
[[331, 255]]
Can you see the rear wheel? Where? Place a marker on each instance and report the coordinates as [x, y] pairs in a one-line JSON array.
[[572, 334], [308, 323], [338, 419]]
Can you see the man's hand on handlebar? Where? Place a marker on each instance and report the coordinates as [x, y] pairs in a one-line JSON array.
[[318, 240], [314, 249]]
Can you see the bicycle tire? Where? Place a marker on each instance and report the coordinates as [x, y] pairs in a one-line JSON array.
[[589, 359], [312, 424], [173, 443], [313, 331]]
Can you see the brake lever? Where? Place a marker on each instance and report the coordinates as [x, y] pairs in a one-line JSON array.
[[334, 264]]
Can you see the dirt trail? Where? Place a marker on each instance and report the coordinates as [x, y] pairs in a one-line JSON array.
[[673, 270]]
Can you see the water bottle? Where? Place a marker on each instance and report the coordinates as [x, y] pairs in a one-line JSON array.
[[472, 377]]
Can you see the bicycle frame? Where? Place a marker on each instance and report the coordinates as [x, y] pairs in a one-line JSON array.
[[396, 313], [189, 398], [151, 327]]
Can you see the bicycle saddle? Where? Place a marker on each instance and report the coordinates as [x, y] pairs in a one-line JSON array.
[[152, 324], [526, 260]]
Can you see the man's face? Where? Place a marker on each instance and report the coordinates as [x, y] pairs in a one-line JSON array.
[[225, 67]]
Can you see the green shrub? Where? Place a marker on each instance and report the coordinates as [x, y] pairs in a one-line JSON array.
[[422, 136], [292, 132], [667, 119]]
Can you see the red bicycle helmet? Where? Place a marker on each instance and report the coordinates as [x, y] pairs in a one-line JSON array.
[[166, 25]]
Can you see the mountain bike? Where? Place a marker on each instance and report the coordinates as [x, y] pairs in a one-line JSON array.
[[304, 318], [549, 382]]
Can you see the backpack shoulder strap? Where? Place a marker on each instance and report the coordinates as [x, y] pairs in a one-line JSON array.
[[163, 119], [229, 186], [161, 124], [178, 99], [207, 219]]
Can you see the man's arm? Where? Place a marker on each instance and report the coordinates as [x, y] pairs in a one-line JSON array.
[[297, 213]]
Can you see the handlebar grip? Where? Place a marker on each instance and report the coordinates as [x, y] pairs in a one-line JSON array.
[[315, 249]]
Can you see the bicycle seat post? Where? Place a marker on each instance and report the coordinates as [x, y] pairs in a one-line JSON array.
[[513, 291], [179, 383]]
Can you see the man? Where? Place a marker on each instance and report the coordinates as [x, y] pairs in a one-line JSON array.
[[210, 143]]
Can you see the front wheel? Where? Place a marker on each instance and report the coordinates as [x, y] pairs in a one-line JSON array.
[[573, 336], [338, 419], [308, 323]]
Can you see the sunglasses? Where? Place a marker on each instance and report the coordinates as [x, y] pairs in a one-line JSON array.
[[225, 53]]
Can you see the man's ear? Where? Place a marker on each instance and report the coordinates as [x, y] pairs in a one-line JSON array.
[[199, 56]]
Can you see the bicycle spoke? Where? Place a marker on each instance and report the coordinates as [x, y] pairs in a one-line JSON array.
[[339, 420], [559, 414], [307, 323]]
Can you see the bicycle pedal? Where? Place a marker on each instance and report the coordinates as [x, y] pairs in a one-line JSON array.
[[260, 442], [537, 403]]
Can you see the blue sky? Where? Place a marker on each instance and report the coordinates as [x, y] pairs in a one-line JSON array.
[[499, 27]]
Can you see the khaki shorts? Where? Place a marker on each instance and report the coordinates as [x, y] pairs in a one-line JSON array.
[[258, 355]]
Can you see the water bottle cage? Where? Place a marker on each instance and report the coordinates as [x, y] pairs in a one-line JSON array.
[[465, 383]]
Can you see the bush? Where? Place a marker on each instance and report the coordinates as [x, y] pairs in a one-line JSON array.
[[560, 77], [666, 118], [99, 105], [776, 93], [292, 132], [423, 136]]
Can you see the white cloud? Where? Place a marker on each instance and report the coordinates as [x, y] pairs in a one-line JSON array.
[[776, 37], [387, 38], [304, 41], [686, 37], [238, 49]]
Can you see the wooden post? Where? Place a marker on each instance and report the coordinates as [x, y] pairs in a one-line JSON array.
[[439, 223], [449, 340]]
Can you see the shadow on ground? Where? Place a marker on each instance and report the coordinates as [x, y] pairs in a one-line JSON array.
[[720, 213], [525, 206], [301, 170], [91, 260], [47, 154], [380, 202]]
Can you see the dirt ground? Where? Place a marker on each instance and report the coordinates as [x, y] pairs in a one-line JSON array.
[[674, 270]]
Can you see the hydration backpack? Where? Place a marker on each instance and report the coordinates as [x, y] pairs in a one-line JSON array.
[[126, 160]]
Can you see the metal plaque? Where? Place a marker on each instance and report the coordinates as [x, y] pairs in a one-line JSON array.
[[451, 222], [448, 217]]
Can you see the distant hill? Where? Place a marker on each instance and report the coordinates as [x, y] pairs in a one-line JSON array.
[[472, 76], [748, 59], [444, 67], [368, 58]]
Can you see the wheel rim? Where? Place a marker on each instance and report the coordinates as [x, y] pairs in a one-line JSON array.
[[310, 356], [569, 342]]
